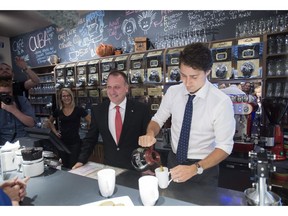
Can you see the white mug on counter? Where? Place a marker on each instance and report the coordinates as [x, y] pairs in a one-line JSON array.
[[106, 181], [148, 189], [163, 174]]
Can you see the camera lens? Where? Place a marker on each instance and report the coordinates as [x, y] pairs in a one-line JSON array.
[[7, 99]]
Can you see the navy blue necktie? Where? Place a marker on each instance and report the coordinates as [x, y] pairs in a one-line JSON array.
[[182, 148]]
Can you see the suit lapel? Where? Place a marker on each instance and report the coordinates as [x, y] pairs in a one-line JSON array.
[[105, 113], [128, 113]]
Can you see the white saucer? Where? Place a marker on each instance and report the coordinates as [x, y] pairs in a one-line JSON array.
[[117, 201]]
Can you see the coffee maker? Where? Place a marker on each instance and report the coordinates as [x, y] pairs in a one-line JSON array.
[[243, 111], [271, 135]]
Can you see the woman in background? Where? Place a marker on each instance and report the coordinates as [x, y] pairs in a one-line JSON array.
[[69, 116]]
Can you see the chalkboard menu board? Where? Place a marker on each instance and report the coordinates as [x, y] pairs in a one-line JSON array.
[[119, 28]]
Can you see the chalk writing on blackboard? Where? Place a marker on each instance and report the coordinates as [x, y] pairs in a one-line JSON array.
[[119, 28], [239, 14], [130, 12], [171, 21], [84, 38], [41, 44], [161, 19], [18, 46], [41, 39], [114, 28], [128, 28], [145, 20]]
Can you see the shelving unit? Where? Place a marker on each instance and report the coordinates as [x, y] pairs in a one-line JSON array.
[[259, 51], [275, 81], [43, 96]]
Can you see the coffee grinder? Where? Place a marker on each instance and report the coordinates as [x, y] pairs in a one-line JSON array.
[[271, 135]]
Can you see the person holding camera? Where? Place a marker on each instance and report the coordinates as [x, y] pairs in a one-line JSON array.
[[20, 87], [16, 113]]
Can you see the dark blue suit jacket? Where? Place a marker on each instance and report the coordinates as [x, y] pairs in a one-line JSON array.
[[137, 117]]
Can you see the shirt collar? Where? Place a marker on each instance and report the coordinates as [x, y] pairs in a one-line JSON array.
[[201, 93], [122, 104]]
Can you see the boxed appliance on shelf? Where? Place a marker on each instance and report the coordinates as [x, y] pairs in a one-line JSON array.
[[172, 65], [81, 74], [248, 54], [93, 73], [106, 66], [137, 68], [154, 64], [222, 58]]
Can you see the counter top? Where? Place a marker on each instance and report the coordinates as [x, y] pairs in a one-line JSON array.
[[61, 188], [198, 194], [58, 187]]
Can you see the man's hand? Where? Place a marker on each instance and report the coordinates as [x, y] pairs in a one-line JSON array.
[[77, 165], [20, 63], [9, 108], [182, 173], [146, 141]]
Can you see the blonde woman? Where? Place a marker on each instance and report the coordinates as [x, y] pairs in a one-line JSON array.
[[69, 116]]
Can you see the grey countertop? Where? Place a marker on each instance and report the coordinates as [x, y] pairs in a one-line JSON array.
[[198, 194], [58, 187], [61, 188]]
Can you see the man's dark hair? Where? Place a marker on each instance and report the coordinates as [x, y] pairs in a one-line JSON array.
[[119, 73], [198, 56]]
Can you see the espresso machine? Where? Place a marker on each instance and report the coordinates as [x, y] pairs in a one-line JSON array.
[[243, 117], [271, 135], [243, 114]]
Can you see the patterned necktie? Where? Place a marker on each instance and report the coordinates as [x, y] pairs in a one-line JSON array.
[[118, 123], [182, 148]]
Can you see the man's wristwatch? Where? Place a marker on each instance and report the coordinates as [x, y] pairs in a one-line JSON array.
[[199, 168]]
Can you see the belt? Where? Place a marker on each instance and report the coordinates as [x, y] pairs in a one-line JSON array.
[[188, 161]]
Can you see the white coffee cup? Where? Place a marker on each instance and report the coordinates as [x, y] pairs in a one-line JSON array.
[[148, 189], [163, 174], [106, 181]]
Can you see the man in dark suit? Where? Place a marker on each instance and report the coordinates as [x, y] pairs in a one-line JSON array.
[[135, 118]]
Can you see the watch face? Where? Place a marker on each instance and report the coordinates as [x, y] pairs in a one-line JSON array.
[[199, 170]]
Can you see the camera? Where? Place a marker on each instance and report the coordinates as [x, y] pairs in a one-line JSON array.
[[6, 98]]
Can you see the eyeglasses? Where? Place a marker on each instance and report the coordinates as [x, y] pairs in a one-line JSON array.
[[66, 96]]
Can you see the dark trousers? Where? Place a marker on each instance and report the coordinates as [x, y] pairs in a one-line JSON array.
[[209, 176]]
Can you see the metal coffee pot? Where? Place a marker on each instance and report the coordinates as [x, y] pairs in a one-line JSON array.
[[53, 59], [144, 158]]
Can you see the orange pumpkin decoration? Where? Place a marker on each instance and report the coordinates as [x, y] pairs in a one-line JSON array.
[[105, 50]]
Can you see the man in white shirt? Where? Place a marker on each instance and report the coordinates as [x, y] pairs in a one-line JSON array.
[[213, 123]]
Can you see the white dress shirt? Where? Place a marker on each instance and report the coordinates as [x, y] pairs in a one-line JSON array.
[[213, 123], [112, 114]]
